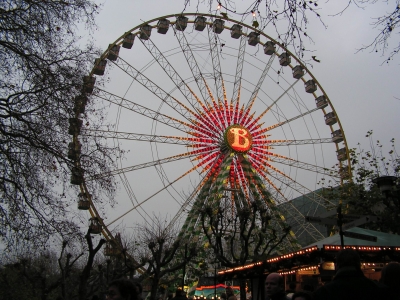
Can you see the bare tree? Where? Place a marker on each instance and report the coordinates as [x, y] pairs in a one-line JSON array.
[[42, 276], [244, 237], [163, 253], [362, 195], [85, 275], [387, 28], [41, 71], [291, 20]]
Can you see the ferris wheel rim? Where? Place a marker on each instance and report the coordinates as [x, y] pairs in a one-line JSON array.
[[93, 211]]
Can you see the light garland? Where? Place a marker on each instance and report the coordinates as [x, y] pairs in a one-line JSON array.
[[359, 248], [299, 270], [310, 250], [290, 255]]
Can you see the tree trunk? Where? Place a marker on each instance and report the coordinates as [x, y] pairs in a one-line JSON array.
[[242, 284], [154, 288], [82, 290]]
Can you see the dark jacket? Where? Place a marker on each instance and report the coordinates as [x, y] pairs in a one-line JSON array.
[[280, 296], [180, 297], [350, 284]]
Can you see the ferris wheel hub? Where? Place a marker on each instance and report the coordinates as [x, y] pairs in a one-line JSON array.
[[238, 138]]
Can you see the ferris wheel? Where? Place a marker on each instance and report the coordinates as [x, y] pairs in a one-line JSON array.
[[208, 110]]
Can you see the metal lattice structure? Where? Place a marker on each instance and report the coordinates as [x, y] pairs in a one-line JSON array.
[[210, 109]]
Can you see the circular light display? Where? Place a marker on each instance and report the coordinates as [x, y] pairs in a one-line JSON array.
[[238, 138]]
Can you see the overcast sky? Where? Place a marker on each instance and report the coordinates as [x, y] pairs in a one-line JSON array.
[[362, 90]]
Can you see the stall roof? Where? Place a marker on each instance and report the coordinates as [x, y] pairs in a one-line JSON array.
[[383, 239], [386, 243]]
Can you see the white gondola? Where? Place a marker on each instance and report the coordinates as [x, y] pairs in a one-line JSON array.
[[341, 154], [330, 118], [298, 72], [218, 26], [181, 23], [76, 176], [128, 41], [310, 86], [94, 226], [75, 125], [344, 172], [321, 102], [111, 249], [269, 48], [236, 31], [284, 59], [88, 83], [79, 104], [100, 66], [200, 23], [83, 202], [337, 136], [254, 38], [163, 26], [145, 32], [113, 52], [74, 150]]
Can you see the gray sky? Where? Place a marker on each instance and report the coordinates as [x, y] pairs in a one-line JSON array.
[[361, 90]]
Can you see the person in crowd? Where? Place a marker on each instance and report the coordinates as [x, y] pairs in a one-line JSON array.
[[139, 289], [223, 296], [170, 296], [291, 290], [390, 277], [349, 283], [179, 295], [308, 288], [230, 294], [275, 287], [122, 289], [302, 295]]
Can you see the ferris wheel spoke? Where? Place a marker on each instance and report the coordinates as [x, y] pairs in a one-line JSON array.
[[145, 137], [297, 220], [277, 158], [296, 186], [254, 94], [146, 165], [258, 133], [216, 65], [263, 167], [156, 193], [250, 125], [303, 165], [144, 111], [180, 84], [257, 186], [198, 75], [133, 199], [276, 143], [295, 217], [185, 205], [154, 88], [239, 68]]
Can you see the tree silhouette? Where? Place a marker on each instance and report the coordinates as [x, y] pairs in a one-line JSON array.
[[361, 195], [245, 237], [41, 76]]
